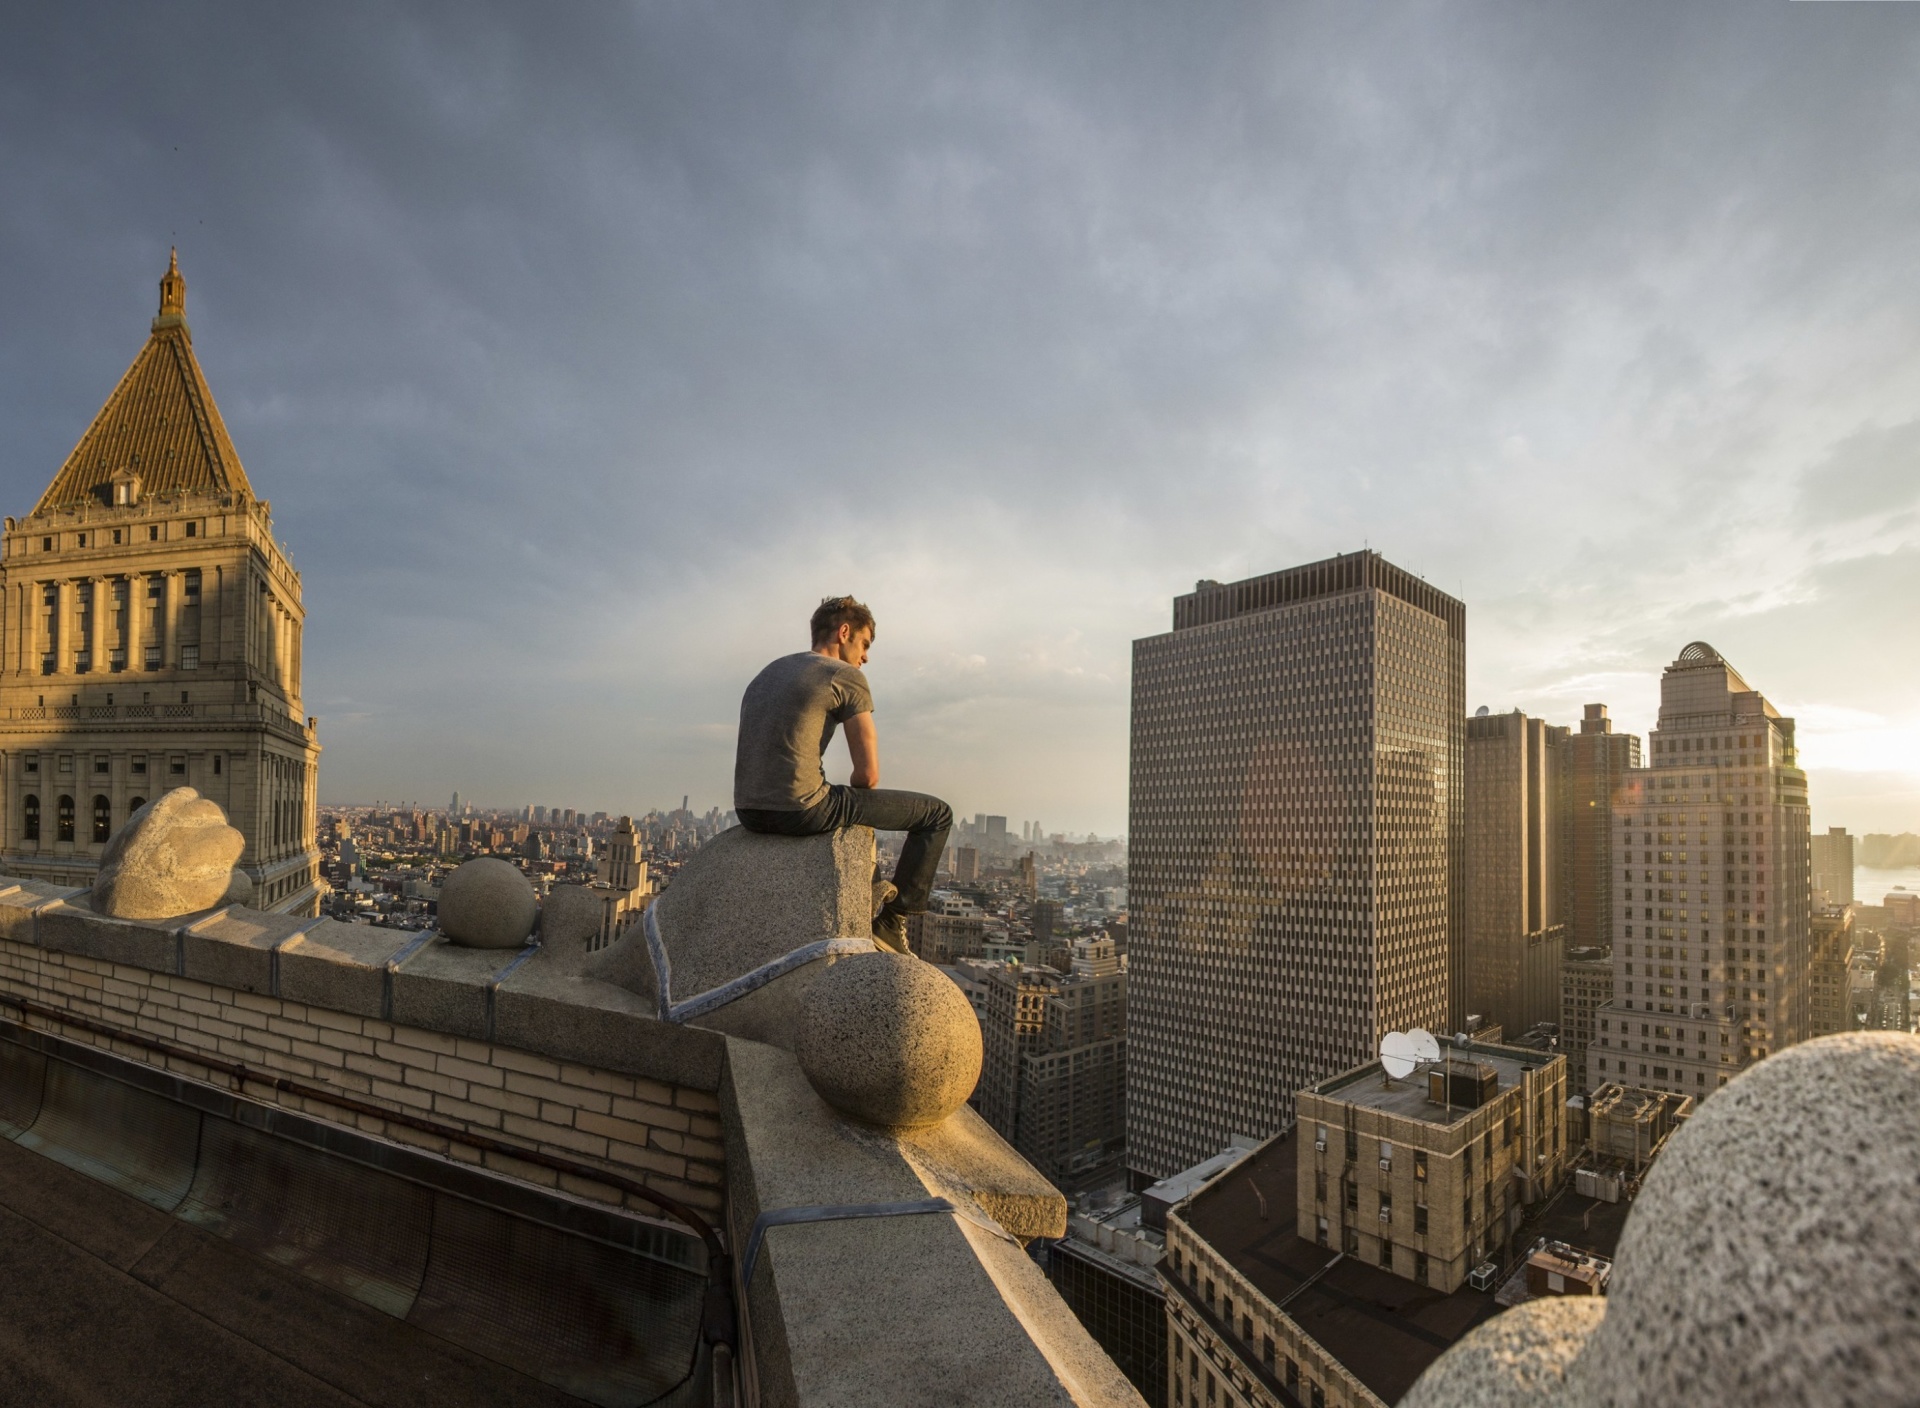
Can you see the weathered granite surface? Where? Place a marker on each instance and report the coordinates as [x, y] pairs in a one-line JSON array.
[[742, 901], [487, 903], [890, 1040], [926, 1308], [570, 918], [1772, 1259], [174, 856]]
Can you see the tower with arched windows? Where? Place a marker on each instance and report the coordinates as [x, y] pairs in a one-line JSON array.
[[150, 638]]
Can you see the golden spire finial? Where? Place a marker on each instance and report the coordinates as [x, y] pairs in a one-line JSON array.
[[173, 288]]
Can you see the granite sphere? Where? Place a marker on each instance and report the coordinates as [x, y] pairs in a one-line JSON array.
[[889, 1040], [487, 903], [1771, 1258]]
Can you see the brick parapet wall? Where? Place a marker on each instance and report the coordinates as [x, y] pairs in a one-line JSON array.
[[664, 1134]]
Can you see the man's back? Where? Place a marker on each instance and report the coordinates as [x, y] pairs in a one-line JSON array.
[[787, 718]]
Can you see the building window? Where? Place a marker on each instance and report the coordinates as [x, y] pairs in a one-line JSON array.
[[1420, 1268], [63, 819], [80, 539], [138, 764], [135, 805], [46, 545], [177, 767], [1420, 1164], [216, 765], [1320, 1235], [189, 657], [1350, 1240], [101, 763], [33, 764], [193, 530], [30, 820], [153, 532], [1420, 1218], [1386, 1253], [102, 819]]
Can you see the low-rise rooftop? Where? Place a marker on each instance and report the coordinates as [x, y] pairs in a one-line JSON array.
[[1412, 1098]]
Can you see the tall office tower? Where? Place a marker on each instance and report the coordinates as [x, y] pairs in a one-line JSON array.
[[1517, 844], [152, 640], [996, 839], [1294, 878], [1833, 866], [1601, 760], [1712, 956]]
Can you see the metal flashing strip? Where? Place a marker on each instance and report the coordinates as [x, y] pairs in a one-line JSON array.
[[393, 964], [734, 988], [788, 1217], [493, 983]]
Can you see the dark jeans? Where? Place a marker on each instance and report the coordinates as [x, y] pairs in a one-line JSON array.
[[926, 820]]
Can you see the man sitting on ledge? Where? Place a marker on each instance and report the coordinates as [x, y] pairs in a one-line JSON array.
[[787, 719]]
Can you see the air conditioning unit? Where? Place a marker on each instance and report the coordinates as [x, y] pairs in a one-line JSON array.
[[1386, 1214], [1386, 1165], [1320, 1145]]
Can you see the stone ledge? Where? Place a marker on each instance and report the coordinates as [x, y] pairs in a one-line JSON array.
[[893, 1310], [545, 1006]]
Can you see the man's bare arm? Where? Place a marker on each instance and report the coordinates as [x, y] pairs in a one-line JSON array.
[[863, 743]]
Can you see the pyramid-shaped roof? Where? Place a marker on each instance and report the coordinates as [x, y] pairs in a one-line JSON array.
[[160, 423]]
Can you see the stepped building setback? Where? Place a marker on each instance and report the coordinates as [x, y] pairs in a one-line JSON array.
[[151, 639], [1712, 958]]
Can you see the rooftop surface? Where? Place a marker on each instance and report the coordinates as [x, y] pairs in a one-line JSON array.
[[1407, 1098], [105, 1300], [1382, 1327]]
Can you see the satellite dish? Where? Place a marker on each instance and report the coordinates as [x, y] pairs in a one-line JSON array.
[[1426, 1046], [1398, 1055]]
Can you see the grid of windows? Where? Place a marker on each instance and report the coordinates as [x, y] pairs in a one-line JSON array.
[[1712, 891], [1293, 858]]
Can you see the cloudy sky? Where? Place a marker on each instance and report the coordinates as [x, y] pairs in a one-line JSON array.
[[582, 348]]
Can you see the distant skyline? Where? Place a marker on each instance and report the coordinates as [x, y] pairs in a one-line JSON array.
[[581, 350]]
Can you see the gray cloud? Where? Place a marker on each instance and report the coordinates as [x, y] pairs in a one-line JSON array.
[[580, 348]]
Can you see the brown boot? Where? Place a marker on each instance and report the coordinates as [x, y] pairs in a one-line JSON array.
[[890, 930]]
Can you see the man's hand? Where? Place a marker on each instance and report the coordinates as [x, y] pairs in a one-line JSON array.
[[863, 743]]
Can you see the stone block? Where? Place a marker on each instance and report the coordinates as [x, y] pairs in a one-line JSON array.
[[174, 856], [341, 966], [234, 947], [17, 904], [443, 988], [68, 927], [570, 919], [744, 900], [819, 1289], [547, 1009]]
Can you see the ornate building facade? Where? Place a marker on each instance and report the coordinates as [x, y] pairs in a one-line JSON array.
[[150, 639]]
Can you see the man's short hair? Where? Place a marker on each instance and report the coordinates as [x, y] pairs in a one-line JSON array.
[[838, 611]]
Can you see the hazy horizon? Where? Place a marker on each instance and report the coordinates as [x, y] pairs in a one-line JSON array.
[[581, 350]]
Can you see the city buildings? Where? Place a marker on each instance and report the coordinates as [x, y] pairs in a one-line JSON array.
[[1294, 866], [1830, 964], [1713, 893], [153, 640], [1053, 1078], [1601, 760], [1518, 859], [1428, 1176], [1586, 985], [1833, 867], [1104, 1269]]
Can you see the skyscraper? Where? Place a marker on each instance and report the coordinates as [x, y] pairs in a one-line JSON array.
[[1517, 852], [1833, 866], [1294, 859], [1601, 760], [1712, 954], [153, 641]]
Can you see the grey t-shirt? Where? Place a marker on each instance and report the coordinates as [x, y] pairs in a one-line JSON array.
[[787, 719]]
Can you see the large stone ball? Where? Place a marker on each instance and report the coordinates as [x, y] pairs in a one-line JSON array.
[[1771, 1258], [889, 1040], [486, 903]]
